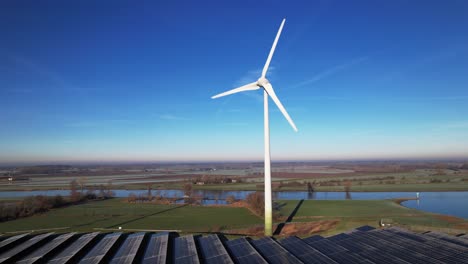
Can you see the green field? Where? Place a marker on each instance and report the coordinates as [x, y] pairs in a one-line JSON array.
[[113, 213], [117, 212], [351, 214]]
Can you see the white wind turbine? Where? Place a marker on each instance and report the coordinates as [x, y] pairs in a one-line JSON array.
[[262, 82]]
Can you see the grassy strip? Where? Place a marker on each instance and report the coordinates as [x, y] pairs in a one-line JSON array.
[[117, 212], [113, 213]]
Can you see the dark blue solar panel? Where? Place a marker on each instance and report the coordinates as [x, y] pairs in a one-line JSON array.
[[42, 252], [14, 252], [72, 250], [326, 247], [365, 228], [304, 252], [7, 242], [128, 250], [212, 250], [101, 249], [338, 237], [243, 252], [185, 250], [156, 251], [273, 252], [313, 238]]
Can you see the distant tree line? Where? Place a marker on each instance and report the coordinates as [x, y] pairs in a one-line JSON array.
[[29, 206], [11, 210]]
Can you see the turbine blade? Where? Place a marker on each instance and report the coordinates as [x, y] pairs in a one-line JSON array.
[[247, 87], [267, 64], [269, 89]]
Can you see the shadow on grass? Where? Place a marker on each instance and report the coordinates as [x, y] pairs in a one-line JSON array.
[[142, 217], [279, 228], [93, 222]]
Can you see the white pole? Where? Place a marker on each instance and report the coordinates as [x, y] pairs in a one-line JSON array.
[[268, 202]]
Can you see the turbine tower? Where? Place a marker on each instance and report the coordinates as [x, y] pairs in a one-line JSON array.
[[263, 82]]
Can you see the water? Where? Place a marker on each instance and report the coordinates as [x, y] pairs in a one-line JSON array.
[[448, 203]]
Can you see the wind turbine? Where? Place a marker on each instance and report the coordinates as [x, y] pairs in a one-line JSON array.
[[263, 82]]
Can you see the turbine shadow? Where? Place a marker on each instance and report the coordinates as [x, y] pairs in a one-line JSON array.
[[279, 228], [144, 216]]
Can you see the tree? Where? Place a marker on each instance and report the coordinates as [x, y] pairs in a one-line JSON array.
[[131, 198], [82, 182], [75, 196], [347, 187], [150, 195], [256, 202], [188, 189], [109, 193], [230, 199]]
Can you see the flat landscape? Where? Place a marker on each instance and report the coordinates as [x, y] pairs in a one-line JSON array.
[[367, 177], [320, 217], [293, 216]]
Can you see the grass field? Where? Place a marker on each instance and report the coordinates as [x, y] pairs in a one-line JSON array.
[[351, 214], [112, 213], [117, 212]]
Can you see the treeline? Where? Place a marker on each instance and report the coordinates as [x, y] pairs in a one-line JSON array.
[[214, 179], [11, 210], [29, 206]]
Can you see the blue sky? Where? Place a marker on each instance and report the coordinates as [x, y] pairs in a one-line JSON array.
[[126, 81]]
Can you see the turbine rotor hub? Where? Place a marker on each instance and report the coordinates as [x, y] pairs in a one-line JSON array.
[[262, 81]]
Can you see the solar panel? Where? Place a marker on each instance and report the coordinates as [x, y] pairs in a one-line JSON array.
[[326, 247], [212, 250], [312, 239], [273, 252], [46, 249], [338, 237], [72, 250], [365, 228], [412, 250], [243, 252], [6, 243], [185, 250], [101, 249], [451, 239], [11, 254], [156, 251], [128, 250], [304, 252]]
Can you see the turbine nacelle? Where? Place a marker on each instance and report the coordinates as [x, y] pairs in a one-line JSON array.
[[262, 82]]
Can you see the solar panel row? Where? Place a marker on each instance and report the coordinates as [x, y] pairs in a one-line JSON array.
[[304, 252], [46, 249], [156, 251], [213, 251], [4, 244], [12, 254], [243, 252], [185, 250], [273, 252], [72, 250], [128, 250], [392, 245], [99, 251]]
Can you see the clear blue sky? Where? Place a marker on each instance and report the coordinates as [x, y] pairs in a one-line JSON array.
[[132, 80]]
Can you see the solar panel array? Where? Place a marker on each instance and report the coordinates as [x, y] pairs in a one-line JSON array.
[[99, 251], [156, 250], [361, 245], [128, 250], [73, 249], [213, 251], [42, 252]]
